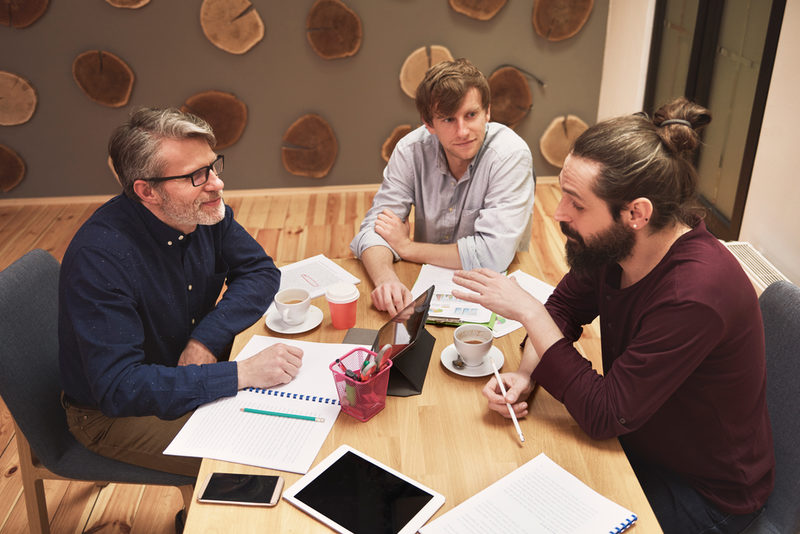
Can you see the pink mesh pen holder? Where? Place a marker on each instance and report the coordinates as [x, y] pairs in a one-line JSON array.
[[360, 399]]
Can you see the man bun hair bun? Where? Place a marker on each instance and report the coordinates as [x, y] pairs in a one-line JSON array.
[[678, 124]]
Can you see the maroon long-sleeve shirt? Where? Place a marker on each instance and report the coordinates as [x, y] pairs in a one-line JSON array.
[[683, 381]]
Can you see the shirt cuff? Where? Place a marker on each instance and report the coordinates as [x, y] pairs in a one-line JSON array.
[[372, 239], [222, 380]]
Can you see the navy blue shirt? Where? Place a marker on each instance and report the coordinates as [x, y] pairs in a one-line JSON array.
[[133, 291]]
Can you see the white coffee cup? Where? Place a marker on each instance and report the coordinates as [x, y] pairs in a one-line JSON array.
[[292, 305], [472, 342]]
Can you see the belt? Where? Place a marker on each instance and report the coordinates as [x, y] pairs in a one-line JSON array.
[[67, 400]]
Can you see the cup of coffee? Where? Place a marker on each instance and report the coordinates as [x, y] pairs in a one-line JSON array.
[[342, 301], [292, 305], [472, 342]]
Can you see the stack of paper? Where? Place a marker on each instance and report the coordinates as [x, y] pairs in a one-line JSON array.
[[539, 497]]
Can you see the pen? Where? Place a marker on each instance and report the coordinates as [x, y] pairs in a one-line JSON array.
[[503, 391], [381, 353], [282, 414]]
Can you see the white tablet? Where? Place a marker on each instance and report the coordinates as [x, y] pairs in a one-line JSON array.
[[355, 494]]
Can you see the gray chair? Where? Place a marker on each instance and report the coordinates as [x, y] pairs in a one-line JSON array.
[[780, 308], [30, 385]]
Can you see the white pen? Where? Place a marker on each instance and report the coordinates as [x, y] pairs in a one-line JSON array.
[[503, 391]]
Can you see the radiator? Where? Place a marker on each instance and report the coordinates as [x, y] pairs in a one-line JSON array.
[[761, 272]]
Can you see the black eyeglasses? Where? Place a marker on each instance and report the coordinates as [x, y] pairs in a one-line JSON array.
[[198, 177]]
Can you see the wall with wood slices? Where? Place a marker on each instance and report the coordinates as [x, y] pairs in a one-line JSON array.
[[280, 79]]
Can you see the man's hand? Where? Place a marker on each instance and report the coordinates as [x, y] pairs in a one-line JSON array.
[[277, 364], [518, 386], [499, 293], [395, 231], [196, 353], [391, 296]]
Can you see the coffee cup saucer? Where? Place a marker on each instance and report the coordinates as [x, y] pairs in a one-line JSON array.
[[276, 324], [484, 369]]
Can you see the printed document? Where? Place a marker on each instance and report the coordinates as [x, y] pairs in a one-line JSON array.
[[539, 497]]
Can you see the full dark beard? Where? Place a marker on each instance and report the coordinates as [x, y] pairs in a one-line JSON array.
[[611, 246]]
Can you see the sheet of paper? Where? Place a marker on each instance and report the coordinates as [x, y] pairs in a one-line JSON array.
[[314, 274], [443, 303], [539, 497], [220, 430], [538, 289]]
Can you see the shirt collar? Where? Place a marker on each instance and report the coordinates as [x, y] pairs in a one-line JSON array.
[[164, 234]]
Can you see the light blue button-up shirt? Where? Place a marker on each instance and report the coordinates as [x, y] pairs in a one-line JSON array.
[[487, 212]]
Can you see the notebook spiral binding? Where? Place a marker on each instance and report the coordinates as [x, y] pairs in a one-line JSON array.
[[298, 396], [624, 525]]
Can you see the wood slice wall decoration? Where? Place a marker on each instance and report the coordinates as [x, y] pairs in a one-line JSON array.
[[333, 29], [128, 4], [231, 25], [309, 147], [417, 64], [226, 114], [12, 169], [556, 20], [17, 99], [478, 9], [388, 146], [557, 139], [511, 96], [21, 13], [104, 77]]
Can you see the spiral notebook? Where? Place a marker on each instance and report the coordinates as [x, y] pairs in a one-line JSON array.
[[221, 430], [539, 497]]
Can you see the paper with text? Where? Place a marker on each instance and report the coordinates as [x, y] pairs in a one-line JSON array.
[[220, 430], [314, 274], [539, 497], [443, 304]]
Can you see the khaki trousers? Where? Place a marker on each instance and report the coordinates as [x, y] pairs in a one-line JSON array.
[[134, 440]]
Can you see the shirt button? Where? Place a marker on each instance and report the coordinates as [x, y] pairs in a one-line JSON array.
[[450, 209], [447, 237], [169, 243], [190, 287], [622, 421], [192, 320], [180, 238]]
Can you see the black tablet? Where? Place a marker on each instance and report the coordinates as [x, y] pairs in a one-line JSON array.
[[402, 330], [355, 494]]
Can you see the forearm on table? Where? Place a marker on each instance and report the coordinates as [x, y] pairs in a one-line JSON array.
[[442, 255], [379, 264]]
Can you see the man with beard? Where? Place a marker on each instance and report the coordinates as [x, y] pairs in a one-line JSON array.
[[143, 335], [683, 383]]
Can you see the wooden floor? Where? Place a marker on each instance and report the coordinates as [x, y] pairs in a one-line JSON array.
[[290, 225]]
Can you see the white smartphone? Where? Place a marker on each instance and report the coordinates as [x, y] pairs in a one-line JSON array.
[[249, 490]]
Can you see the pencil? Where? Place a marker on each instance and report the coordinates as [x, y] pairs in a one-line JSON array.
[[503, 391], [282, 414]]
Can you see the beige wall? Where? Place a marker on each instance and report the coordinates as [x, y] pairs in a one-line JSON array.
[[625, 57], [280, 79], [773, 201]]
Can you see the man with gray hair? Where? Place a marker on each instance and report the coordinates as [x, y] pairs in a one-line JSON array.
[[143, 335]]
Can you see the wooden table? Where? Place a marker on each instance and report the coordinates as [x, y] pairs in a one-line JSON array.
[[446, 438]]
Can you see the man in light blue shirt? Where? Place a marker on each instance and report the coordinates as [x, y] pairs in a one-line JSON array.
[[470, 181]]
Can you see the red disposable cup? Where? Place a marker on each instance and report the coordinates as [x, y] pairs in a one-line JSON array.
[[343, 302]]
